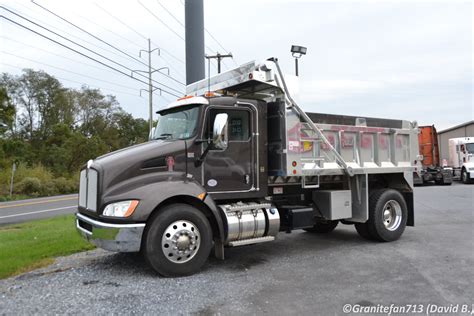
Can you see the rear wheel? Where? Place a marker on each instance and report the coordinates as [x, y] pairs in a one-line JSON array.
[[178, 241], [362, 230], [387, 216], [323, 227]]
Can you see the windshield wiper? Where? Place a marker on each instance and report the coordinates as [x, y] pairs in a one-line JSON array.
[[164, 136]]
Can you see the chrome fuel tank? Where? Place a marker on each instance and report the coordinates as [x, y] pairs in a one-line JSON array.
[[250, 220]]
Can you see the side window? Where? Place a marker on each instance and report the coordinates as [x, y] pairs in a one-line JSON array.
[[239, 124]]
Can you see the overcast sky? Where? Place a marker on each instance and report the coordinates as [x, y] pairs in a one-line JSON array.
[[394, 59]]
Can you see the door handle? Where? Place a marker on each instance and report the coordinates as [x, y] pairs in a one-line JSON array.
[[247, 179]]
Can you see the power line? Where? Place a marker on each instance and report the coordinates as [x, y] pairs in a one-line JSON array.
[[85, 31], [96, 37], [172, 15], [81, 83], [166, 25], [182, 24], [144, 37], [80, 53], [121, 22], [82, 46], [159, 20], [66, 70], [72, 35], [61, 56], [205, 29], [110, 31]]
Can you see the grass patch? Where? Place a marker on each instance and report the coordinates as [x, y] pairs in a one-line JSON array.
[[31, 245], [14, 197]]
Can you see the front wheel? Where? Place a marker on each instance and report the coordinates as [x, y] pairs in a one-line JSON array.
[[465, 177], [178, 241], [387, 216]]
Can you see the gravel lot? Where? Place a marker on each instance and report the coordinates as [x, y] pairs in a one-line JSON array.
[[299, 273]]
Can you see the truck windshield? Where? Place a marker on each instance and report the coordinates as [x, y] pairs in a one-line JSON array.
[[179, 123], [470, 148]]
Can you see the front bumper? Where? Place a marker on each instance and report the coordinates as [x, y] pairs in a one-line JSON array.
[[112, 237]]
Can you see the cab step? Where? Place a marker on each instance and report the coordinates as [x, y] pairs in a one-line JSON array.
[[251, 241]]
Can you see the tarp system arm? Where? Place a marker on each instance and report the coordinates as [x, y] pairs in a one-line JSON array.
[[306, 118]]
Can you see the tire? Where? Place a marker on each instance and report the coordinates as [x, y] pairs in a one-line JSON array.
[[465, 177], [363, 231], [177, 241], [323, 227], [387, 216]]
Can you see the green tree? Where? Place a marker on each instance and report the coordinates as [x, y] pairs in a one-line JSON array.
[[56, 129], [7, 111]]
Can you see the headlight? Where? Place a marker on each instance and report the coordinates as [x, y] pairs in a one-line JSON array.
[[120, 209]]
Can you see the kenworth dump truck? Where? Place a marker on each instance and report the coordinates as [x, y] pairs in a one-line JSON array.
[[237, 161]]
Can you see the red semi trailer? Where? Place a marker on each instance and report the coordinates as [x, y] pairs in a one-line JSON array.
[[431, 167]]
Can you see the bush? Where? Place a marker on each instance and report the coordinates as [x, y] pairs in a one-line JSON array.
[[36, 171], [48, 188], [37, 181], [30, 186], [65, 186]]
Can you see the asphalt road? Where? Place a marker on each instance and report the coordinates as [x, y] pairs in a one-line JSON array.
[[299, 273], [26, 210]]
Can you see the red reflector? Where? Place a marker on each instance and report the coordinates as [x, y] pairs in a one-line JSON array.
[[170, 163], [294, 171]]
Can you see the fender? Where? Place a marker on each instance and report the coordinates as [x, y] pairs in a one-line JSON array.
[[154, 189]]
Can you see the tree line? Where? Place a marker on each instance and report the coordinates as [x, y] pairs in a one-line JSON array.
[[49, 131]]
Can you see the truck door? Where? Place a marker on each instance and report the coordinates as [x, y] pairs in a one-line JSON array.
[[232, 169]]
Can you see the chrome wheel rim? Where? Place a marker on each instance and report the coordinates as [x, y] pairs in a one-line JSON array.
[[180, 241], [392, 215]]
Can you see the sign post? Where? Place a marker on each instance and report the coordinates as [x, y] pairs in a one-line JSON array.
[[11, 180]]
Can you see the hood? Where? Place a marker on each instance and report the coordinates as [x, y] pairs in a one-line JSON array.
[[137, 160]]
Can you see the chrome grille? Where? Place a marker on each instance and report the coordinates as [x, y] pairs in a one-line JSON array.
[[83, 188], [88, 189]]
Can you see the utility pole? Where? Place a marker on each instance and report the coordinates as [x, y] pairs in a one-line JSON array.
[[150, 89], [219, 57], [194, 34]]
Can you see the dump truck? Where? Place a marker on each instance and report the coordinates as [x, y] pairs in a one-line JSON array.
[[461, 158], [431, 169], [236, 162]]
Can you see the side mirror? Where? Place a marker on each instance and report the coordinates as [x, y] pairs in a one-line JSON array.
[[152, 132], [220, 136]]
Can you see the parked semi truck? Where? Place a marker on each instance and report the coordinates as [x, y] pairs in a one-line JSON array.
[[461, 158], [240, 164], [431, 167]]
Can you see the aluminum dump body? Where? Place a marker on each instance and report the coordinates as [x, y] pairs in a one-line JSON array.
[[367, 145], [313, 144]]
